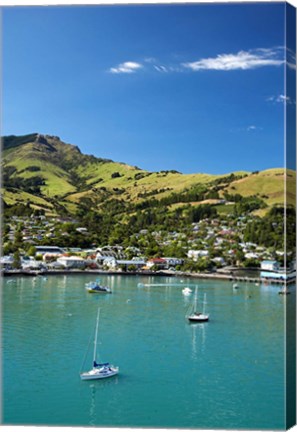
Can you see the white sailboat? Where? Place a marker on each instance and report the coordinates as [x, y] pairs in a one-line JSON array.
[[186, 291], [99, 370], [195, 316]]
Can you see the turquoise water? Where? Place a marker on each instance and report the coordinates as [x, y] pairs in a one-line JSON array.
[[227, 373]]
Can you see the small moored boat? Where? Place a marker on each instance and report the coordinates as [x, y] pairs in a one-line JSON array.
[[95, 287], [99, 370], [195, 316], [186, 291], [284, 291]]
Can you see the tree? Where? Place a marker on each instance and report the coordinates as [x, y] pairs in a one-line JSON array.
[[31, 251], [16, 260], [251, 262], [132, 268]]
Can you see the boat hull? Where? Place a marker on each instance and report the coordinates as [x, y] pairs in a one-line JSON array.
[[97, 291], [198, 318], [94, 375]]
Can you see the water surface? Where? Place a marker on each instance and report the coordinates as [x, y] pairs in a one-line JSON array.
[[227, 373]]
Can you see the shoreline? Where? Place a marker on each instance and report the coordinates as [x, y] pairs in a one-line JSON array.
[[211, 276]]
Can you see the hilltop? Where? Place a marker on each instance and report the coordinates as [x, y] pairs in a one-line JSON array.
[[48, 174]]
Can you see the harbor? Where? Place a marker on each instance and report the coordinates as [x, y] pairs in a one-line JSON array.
[[48, 322]]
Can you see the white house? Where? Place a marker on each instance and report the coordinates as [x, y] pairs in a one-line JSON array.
[[71, 262], [270, 265], [195, 254], [219, 260], [82, 230], [172, 262], [251, 255], [113, 263], [271, 270]]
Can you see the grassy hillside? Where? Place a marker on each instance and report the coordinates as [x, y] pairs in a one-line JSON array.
[[269, 184], [49, 173]]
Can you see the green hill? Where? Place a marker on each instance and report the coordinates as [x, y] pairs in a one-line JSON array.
[[44, 172]]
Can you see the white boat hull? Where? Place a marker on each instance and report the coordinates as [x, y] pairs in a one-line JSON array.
[[198, 317], [101, 373], [187, 291]]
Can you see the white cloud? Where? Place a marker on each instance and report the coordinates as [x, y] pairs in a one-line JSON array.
[[281, 99], [254, 128], [150, 60], [243, 60], [250, 128], [126, 67]]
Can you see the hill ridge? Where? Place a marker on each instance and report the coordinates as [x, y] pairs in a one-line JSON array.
[[56, 174]]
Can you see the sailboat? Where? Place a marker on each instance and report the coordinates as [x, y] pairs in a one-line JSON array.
[[99, 370], [284, 290], [195, 316], [187, 291]]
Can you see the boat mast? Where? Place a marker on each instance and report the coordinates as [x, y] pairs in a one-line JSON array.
[[195, 301], [204, 303], [96, 335]]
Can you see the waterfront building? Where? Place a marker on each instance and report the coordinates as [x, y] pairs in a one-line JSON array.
[[49, 249], [270, 265], [195, 254], [113, 263], [157, 262], [71, 262], [271, 270], [172, 262]]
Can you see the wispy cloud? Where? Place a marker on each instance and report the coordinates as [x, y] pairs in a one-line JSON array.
[[126, 67], [281, 99], [242, 60], [161, 68], [252, 128]]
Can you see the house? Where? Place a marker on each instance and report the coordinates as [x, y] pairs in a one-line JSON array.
[[270, 270], [71, 262], [50, 256], [195, 254], [219, 260], [6, 262], [82, 230], [109, 252], [48, 249], [172, 262], [160, 263], [251, 255], [32, 264], [270, 265], [112, 263]]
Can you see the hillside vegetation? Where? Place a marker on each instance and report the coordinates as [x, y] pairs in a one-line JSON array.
[[44, 173]]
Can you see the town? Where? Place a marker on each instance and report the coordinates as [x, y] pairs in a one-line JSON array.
[[211, 247]]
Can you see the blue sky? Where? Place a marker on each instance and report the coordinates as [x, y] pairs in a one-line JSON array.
[[195, 88]]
